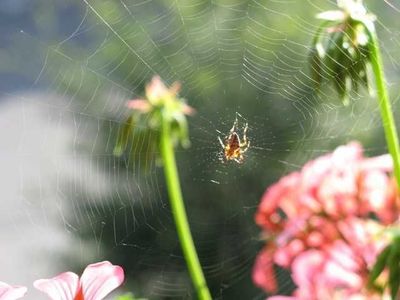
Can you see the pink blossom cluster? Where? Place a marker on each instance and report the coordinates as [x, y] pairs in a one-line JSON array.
[[96, 282], [325, 224]]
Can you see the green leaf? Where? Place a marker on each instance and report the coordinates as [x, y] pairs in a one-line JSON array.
[[341, 61], [379, 265], [143, 148], [123, 136], [394, 274], [342, 83], [180, 128], [394, 267], [334, 55], [362, 74], [365, 69]]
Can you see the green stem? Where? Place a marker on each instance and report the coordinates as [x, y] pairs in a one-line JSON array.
[[384, 103], [179, 213]]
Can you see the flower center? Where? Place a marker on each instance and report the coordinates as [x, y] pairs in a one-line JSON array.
[[79, 295]]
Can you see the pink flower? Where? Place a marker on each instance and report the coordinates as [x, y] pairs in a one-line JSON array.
[[96, 282], [9, 292], [337, 184], [323, 222], [156, 89], [156, 94]]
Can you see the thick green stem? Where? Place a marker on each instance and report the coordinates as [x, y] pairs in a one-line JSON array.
[[384, 103], [179, 213]]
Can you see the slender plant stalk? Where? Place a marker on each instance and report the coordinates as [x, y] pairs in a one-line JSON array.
[[384, 103], [179, 213]]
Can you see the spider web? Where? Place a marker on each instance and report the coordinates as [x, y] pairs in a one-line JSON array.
[[68, 69]]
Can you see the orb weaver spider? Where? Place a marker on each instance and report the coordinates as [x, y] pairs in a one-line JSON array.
[[233, 147]]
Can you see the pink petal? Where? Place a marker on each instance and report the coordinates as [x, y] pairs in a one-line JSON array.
[[282, 298], [342, 254], [175, 88], [62, 287], [281, 194], [156, 89], [337, 191], [9, 292], [382, 163], [306, 269], [188, 110], [338, 276], [348, 153], [139, 104], [99, 279], [263, 271], [285, 254], [322, 231]]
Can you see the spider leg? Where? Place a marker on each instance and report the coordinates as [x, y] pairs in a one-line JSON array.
[[245, 141], [246, 127], [234, 126], [246, 146], [240, 159], [222, 144]]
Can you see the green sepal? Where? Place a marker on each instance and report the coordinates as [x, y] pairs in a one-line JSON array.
[[123, 136], [331, 60], [316, 63], [342, 80], [180, 130], [143, 149], [346, 51]]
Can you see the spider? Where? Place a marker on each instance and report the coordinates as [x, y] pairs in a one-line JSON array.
[[233, 147]]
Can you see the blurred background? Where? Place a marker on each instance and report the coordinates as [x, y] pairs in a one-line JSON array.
[[67, 67]]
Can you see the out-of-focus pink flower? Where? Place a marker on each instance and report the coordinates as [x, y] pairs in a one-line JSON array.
[[9, 292], [156, 94], [317, 222], [156, 89], [338, 184], [96, 282]]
